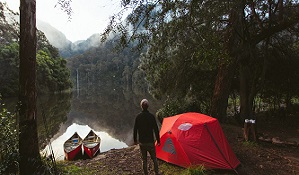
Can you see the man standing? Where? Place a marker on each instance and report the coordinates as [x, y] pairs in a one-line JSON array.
[[145, 126]]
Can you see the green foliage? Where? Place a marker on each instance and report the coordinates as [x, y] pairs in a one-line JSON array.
[[281, 80], [9, 141], [169, 169], [191, 102], [52, 73], [178, 58], [174, 106], [9, 26], [74, 170], [200, 170], [184, 42], [187, 41], [9, 72], [102, 67]]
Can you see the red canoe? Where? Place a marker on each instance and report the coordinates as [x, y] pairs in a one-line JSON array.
[[73, 147], [91, 144]]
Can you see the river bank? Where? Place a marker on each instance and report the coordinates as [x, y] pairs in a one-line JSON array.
[[259, 157]]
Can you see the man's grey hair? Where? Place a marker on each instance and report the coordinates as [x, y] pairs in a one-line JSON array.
[[144, 104]]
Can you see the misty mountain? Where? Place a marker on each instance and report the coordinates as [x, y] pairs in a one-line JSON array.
[[81, 46], [66, 47], [56, 38]]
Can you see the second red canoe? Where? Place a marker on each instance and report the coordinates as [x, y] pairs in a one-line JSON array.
[[91, 144]]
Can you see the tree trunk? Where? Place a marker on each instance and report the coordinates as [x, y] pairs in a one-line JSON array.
[[227, 67], [246, 93], [28, 140], [222, 90]]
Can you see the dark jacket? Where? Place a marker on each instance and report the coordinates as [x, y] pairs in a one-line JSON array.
[[145, 126]]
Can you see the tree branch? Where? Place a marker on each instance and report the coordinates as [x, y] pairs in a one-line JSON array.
[[291, 20]]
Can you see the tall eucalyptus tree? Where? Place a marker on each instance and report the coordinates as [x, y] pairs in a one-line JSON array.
[[30, 160], [28, 140]]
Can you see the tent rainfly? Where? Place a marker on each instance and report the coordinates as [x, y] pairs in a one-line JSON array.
[[195, 139]]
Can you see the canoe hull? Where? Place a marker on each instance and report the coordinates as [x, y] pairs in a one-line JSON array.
[[72, 155], [91, 152], [91, 144], [73, 147]]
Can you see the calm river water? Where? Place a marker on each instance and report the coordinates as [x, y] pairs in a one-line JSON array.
[[109, 113]]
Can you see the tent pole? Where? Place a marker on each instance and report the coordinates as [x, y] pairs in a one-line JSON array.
[[206, 126]]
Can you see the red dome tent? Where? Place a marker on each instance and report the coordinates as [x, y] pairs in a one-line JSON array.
[[195, 139]]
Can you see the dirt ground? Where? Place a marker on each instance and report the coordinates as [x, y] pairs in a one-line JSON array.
[[257, 158]]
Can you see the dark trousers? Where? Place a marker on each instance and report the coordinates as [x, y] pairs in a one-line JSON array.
[[150, 148]]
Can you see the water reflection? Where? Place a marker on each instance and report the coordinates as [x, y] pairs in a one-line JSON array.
[[107, 142], [110, 113], [52, 110]]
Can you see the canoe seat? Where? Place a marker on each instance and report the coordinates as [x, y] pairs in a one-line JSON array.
[[90, 144], [69, 148], [68, 144]]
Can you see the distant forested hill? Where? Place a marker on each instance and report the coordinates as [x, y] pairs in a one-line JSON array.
[[103, 67]]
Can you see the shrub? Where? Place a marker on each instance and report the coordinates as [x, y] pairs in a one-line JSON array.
[[9, 141]]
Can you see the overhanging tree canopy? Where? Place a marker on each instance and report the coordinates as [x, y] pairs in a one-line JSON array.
[[222, 35]]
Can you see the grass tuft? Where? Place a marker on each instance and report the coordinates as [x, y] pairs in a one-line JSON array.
[[198, 170]]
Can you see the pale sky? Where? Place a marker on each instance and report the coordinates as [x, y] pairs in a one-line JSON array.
[[89, 16]]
